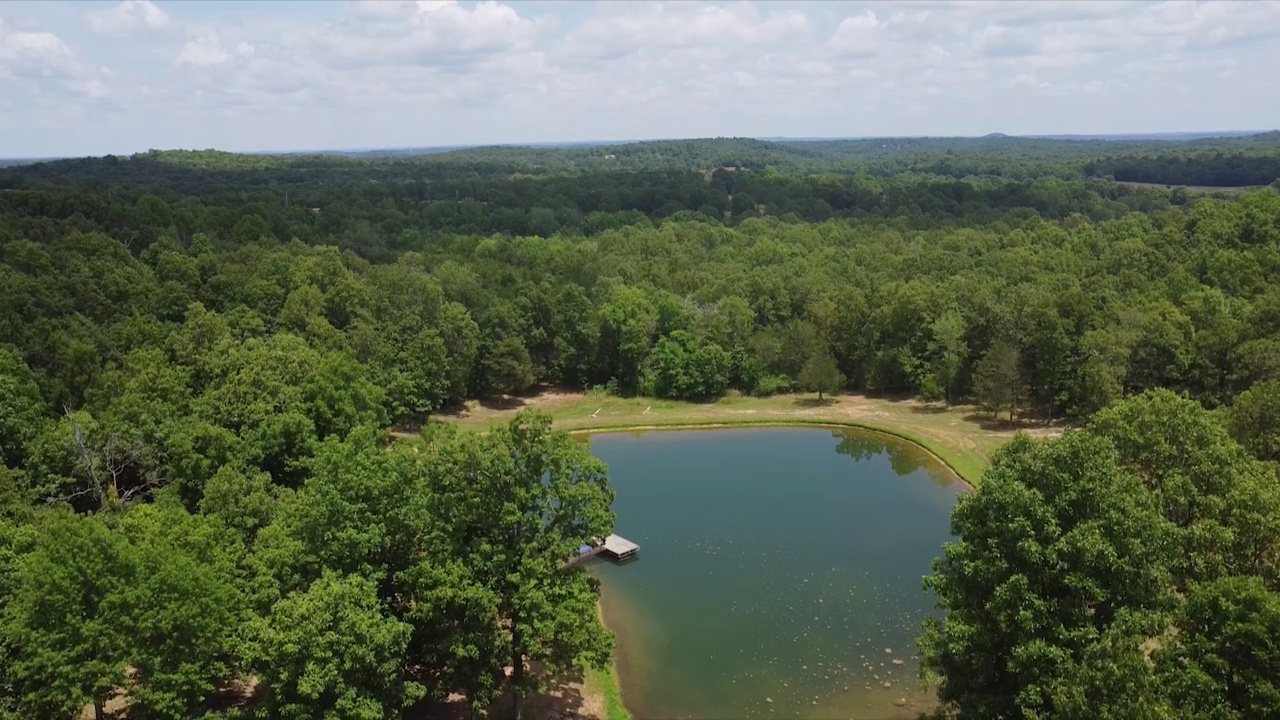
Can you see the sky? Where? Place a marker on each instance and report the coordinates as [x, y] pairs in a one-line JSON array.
[[92, 78]]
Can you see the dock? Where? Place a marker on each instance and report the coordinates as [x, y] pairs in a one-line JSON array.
[[619, 547], [614, 547]]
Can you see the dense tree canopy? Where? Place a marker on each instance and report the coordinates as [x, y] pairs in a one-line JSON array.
[[1128, 569]]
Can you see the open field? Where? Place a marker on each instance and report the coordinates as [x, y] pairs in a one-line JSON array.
[[962, 436]]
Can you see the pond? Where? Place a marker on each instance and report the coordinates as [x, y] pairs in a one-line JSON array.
[[779, 572]]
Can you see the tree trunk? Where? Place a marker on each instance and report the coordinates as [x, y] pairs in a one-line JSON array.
[[819, 396], [99, 712], [517, 672]]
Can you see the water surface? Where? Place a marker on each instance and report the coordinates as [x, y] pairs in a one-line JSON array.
[[779, 572]]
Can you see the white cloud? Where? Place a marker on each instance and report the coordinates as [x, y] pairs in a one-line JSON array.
[[619, 29], [428, 32], [204, 51], [130, 16], [42, 62], [440, 72], [857, 36]]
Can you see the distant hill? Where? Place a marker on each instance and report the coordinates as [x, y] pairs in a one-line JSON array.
[[1184, 159], [1174, 136]]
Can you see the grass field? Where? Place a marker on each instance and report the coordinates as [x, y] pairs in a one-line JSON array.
[[961, 436]]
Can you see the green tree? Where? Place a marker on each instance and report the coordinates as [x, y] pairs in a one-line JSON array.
[[331, 651], [522, 500], [948, 349], [628, 321], [1224, 662], [67, 646], [241, 499], [1254, 420], [820, 374], [508, 367], [997, 380], [181, 617], [1224, 504], [682, 367], [21, 408], [1055, 545]]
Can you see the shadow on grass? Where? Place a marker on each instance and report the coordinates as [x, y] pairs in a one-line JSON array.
[[562, 699], [809, 402], [985, 421], [929, 409], [502, 402]]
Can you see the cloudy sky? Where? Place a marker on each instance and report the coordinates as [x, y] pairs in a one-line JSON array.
[[120, 77]]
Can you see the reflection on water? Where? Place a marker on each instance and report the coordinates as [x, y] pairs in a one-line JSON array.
[[773, 573]]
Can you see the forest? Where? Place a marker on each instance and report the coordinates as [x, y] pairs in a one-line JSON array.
[[202, 355]]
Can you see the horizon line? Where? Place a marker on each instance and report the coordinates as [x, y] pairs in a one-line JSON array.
[[1154, 136]]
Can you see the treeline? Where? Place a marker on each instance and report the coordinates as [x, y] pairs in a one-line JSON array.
[[1033, 316], [1216, 170], [1013, 158], [372, 216]]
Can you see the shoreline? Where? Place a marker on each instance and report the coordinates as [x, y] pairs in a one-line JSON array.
[[606, 681], [963, 438], [971, 482]]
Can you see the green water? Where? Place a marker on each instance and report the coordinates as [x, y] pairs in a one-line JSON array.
[[776, 566]]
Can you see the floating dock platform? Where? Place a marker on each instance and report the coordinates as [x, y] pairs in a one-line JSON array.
[[614, 546], [619, 547]]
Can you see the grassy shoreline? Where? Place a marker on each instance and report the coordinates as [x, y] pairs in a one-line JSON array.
[[961, 437], [605, 684]]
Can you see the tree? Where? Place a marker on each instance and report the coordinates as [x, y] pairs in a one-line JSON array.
[[181, 617], [68, 648], [1254, 420], [508, 367], [682, 367], [521, 500], [330, 651], [1052, 549], [820, 374], [627, 323], [948, 349], [1224, 504], [1224, 661], [997, 380], [242, 499], [21, 408]]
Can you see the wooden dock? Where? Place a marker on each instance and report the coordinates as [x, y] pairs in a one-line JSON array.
[[615, 547], [619, 547]]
